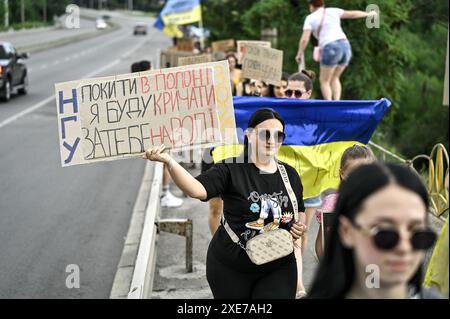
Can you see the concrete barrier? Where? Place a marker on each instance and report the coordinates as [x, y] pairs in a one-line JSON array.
[[142, 280]]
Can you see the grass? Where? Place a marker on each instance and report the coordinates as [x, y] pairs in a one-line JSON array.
[[27, 25]]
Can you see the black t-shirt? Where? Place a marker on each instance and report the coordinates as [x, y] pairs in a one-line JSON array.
[[248, 192]]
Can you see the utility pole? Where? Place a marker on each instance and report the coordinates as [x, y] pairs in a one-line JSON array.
[[44, 12], [22, 11], [6, 14]]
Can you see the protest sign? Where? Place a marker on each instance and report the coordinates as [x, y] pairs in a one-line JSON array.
[[263, 64], [223, 45], [196, 59], [242, 44], [224, 96], [121, 116], [185, 45], [169, 58]]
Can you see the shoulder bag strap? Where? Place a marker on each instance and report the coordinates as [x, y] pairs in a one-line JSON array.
[[288, 186], [321, 25]]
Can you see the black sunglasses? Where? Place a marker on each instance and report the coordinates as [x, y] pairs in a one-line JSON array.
[[298, 93], [388, 238], [264, 135]]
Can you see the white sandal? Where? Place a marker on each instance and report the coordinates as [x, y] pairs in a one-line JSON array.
[[300, 294]]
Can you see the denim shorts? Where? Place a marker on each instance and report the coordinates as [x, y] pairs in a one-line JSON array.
[[336, 53], [313, 202]]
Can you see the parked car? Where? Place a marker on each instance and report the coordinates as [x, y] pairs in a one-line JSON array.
[[101, 24], [13, 72], [140, 28]]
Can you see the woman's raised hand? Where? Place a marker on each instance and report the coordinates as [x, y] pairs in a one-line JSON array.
[[157, 154]]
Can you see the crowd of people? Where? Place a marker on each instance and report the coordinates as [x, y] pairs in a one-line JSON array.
[[380, 222]]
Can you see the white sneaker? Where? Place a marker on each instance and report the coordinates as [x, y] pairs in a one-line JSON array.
[[170, 201]]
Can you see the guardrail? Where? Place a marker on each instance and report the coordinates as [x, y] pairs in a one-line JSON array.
[[439, 196], [142, 282], [144, 270]]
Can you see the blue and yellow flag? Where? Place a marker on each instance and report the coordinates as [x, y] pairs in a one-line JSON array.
[[178, 12], [317, 133]]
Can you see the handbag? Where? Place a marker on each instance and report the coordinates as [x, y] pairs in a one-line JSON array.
[[270, 245], [317, 52]]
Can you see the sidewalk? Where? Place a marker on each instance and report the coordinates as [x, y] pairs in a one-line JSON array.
[[171, 280]]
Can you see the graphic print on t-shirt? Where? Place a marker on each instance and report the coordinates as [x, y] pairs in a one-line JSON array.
[[267, 205]]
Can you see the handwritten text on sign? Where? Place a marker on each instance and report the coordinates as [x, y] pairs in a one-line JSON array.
[[242, 44], [118, 117], [196, 59], [263, 64]]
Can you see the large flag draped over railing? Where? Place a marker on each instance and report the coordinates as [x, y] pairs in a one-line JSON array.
[[317, 133], [178, 12]]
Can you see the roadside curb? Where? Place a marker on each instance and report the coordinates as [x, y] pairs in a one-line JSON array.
[[125, 269], [65, 41]]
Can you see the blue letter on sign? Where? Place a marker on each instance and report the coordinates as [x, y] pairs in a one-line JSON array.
[[71, 150], [73, 100]]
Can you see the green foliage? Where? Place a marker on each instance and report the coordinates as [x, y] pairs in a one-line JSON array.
[[403, 60]]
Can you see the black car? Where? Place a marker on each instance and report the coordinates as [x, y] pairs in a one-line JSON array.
[[13, 72]]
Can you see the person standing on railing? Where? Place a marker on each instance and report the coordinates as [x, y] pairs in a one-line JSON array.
[[334, 47]]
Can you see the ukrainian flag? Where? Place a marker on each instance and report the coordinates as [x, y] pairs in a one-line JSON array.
[[178, 12], [317, 133]]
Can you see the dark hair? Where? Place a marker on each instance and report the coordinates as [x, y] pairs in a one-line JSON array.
[[231, 55], [336, 273], [141, 66], [356, 152], [258, 117], [285, 76], [305, 76], [316, 3], [271, 90]]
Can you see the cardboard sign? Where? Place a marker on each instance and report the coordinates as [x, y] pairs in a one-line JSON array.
[[185, 45], [223, 45], [242, 44], [121, 116], [169, 58], [263, 64], [196, 59]]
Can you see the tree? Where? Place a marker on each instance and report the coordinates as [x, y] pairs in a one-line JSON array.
[[402, 60]]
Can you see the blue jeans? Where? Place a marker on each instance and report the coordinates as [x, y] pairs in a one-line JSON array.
[[336, 53], [313, 202]]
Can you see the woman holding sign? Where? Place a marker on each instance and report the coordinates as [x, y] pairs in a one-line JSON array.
[[334, 51], [260, 195]]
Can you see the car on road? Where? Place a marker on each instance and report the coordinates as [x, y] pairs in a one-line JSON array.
[[13, 71], [100, 24], [140, 28]]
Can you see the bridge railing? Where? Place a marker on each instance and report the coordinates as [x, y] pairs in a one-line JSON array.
[[437, 167]]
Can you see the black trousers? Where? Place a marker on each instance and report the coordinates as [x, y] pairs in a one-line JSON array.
[[262, 282]]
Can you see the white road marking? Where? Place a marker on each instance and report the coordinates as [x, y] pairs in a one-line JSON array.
[[91, 74], [52, 97]]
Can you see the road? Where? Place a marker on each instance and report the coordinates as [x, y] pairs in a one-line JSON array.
[[33, 37], [52, 217]]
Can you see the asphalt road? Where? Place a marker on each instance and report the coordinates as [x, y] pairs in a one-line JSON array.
[[32, 37], [53, 217]]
